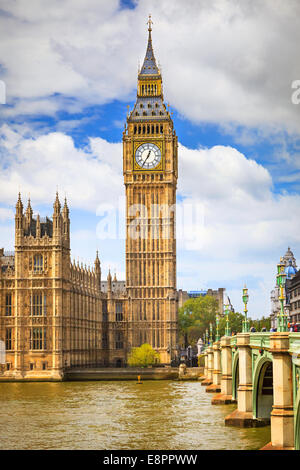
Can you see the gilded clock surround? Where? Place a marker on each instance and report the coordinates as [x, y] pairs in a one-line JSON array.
[[160, 144]]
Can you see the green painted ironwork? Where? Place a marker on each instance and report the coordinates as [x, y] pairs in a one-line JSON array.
[[245, 300], [217, 328], [260, 365], [280, 279], [211, 339], [227, 327], [260, 340]]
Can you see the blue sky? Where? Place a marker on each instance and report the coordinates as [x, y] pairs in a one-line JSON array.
[[227, 73]]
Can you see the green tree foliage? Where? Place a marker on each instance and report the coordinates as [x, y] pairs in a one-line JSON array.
[[235, 323], [195, 316], [262, 322], [143, 356]]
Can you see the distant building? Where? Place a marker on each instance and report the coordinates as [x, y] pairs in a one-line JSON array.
[[218, 294], [291, 271], [293, 297]]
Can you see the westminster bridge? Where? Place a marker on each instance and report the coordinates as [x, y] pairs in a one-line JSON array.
[[261, 373]]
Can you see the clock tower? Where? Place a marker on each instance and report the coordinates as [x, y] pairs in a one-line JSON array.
[[150, 177]]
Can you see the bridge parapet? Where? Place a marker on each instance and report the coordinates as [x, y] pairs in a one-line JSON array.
[[294, 343], [260, 340]]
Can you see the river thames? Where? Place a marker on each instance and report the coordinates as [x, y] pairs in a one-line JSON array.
[[162, 414]]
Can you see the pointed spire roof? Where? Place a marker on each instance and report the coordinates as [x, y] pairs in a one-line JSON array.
[[29, 210], [66, 208], [56, 205], [149, 66], [19, 204], [97, 260], [149, 105]]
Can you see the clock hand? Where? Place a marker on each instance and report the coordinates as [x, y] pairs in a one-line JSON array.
[[147, 157]]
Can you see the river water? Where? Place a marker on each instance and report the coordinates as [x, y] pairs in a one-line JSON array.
[[118, 415]]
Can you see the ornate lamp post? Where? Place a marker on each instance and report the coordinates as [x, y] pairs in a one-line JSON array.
[[227, 327], [280, 278], [206, 336], [211, 340], [245, 300], [217, 328]]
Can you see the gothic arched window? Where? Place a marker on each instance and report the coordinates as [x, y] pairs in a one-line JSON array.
[[38, 263], [119, 340]]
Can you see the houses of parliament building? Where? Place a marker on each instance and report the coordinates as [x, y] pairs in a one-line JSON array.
[[56, 315]]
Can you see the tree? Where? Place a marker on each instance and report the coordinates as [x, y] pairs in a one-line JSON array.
[[235, 323], [195, 317], [261, 323], [143, 356]]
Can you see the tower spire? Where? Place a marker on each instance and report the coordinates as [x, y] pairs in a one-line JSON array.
[[29, 211], [56, 205], [149, 66], [19, 205], [149, 23], [149, 104]]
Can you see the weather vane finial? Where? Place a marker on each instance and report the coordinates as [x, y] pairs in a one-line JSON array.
[[149, 23]]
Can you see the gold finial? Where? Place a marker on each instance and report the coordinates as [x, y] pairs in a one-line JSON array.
[[149, 23], [128, 107]]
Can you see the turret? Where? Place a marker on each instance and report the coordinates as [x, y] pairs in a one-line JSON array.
[[38, 226], [28, 214], [109, 286], [66, 223], [57, 220], [19, 232], [98, 270]]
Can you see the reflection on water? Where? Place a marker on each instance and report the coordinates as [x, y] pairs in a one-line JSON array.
[[118, 415]]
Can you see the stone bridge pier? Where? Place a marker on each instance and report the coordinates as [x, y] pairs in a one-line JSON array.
[[216, 373], [225, 397], [209, 368]]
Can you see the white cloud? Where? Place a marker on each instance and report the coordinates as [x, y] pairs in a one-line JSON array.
[[6, 214], [246, 226], [223, 61], [39, 165]]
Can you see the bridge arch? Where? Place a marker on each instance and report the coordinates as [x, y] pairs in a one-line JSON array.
[[235, 375], [262, 395]]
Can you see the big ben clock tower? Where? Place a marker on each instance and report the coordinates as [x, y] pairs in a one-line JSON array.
[[150, 177]]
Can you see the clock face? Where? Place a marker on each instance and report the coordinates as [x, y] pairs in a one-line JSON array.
[[148, 156]]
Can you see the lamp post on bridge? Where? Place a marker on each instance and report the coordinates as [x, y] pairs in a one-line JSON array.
[[217, 328], [280, 278], [206, 337], [245, 300], [211, 340], [227, 327]]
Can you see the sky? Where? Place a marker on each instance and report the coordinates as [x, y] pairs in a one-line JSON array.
[[230, 72]]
